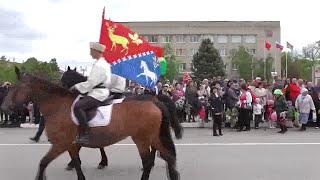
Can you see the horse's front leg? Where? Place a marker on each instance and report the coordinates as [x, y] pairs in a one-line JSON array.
[[71, 164], [53, 153], [104, 159], [74, 153]]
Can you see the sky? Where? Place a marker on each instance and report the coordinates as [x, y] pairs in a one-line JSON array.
[[62, 29]]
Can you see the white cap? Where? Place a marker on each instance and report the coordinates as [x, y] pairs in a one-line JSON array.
[[97, 46], [303, 90]]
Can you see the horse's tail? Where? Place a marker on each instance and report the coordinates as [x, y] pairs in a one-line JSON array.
[[173, 117], [165, 135]]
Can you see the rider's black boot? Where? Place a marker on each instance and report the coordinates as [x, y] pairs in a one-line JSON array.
[[83, 137]]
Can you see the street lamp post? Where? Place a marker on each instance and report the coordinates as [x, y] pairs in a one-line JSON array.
[[251, 67], [83, 69], [251, 54]]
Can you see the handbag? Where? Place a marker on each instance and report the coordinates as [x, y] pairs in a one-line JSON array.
[[314, 116]]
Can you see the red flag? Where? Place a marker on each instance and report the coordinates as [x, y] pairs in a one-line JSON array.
[[267, 45], [121, 42]]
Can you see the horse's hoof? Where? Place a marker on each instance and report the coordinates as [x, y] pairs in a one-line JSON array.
[[69, 168], [101, 166], [43, 178], [81, 178]]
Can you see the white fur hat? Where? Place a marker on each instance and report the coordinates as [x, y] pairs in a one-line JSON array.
[[97, 46], [303, 90]]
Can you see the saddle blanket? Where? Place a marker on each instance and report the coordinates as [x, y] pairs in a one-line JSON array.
[[102, 117]]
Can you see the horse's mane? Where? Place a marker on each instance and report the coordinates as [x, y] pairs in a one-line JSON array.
[[54, 88]]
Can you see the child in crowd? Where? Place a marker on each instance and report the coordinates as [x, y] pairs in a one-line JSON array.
[[269, 113], [257, 111]]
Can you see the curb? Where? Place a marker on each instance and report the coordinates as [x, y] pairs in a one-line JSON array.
[[28, 125], [197, 125]]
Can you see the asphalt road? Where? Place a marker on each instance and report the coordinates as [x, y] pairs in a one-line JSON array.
[[254, 155]]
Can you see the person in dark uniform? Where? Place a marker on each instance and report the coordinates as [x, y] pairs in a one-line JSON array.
[[4, 89], [217, 111], [39, 119]]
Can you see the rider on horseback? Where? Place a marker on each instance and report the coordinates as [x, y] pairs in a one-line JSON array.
[[95, 88]]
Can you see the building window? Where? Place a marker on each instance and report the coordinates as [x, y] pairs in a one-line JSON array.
[[250, 39], [222, 39], [233, 51], [222, 52], [153, 39], [193, 52], [180, 38], [182, 66], [236, 39], [252, 51], [179, 52], [167, 39], [234, 67], [194, 38], [211, 37]]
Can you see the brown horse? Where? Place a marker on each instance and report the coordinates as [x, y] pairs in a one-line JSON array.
[[72, 77], [145, 122]]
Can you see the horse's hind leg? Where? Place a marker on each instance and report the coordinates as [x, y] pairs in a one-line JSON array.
[[53, 153], [152, 156], [104, 159], [168, 153], [146, 157], [71, 165], [74, 153]]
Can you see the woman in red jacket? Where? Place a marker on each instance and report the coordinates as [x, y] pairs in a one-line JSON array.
[[294, 90]]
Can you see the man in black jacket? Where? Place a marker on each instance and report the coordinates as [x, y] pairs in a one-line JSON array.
[[4, 89], [38, 119], [217, 111]]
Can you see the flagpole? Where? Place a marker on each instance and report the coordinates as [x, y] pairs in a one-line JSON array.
[[265, 66], [103, 12], [286, 64], [275, 60]]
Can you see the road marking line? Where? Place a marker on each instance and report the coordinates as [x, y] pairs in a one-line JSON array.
[[191, 144]]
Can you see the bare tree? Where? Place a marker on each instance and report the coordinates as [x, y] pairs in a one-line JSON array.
[[312, 52]]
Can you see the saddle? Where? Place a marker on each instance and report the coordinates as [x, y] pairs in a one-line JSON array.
[[91, 113]]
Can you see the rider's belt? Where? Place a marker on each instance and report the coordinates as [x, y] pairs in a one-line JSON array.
[[99, 86]]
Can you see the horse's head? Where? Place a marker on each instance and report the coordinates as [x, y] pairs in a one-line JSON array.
[[71, 77], [143, 65], [18, 95], [30, 88]]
